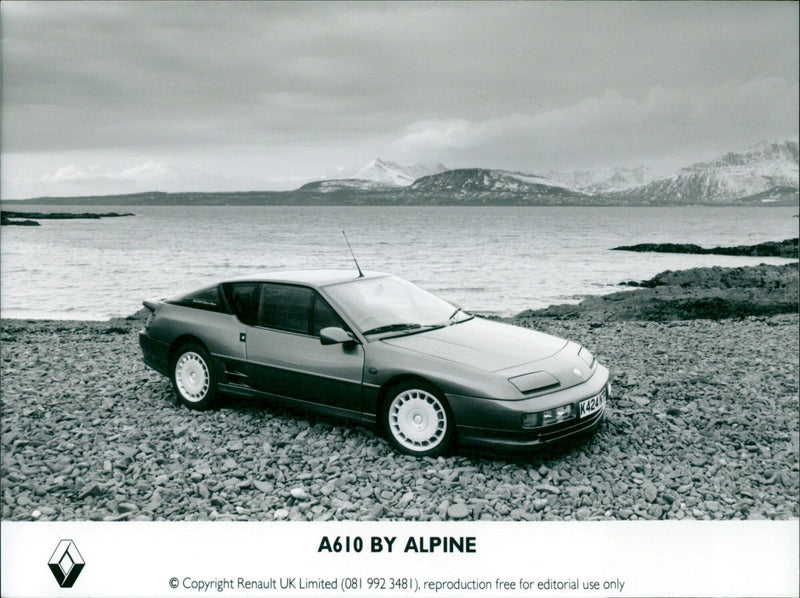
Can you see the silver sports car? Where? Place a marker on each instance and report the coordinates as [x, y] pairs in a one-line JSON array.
[[377, 349]]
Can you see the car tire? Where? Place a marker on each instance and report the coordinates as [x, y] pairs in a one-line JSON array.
[[417, 420], [193, 377]]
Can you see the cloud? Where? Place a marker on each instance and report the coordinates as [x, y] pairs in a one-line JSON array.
[[146, 172], [268, 94], [145, 76], [117, 178], [613, 127]]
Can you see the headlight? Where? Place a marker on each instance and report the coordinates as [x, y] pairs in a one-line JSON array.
[[549, 417]]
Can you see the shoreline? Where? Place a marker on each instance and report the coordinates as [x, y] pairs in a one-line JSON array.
[[696, 293]]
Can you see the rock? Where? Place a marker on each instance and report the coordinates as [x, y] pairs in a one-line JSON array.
[[90, 489], [405, 499], [540, 503], [458, 511], [412, 514], [650, 492], [264, 487], [698, 460], [280, 514], [299, 493]]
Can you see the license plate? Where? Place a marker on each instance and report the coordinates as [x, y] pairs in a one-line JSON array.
[[592, 405]]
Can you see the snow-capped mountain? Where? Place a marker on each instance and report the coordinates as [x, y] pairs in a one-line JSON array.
[[391, 173], [764, 173], [604, 180], [767, 170]]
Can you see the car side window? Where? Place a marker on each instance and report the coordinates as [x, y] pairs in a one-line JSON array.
[[207, 299], [242, 297], [324, 316], [285, 307]]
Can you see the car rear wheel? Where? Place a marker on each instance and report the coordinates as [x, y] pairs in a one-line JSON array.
[[193, 377], [417, 420]]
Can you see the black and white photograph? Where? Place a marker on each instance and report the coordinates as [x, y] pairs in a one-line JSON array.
[[460, 264]]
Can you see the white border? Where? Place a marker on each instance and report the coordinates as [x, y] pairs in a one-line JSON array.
[[672, 558]]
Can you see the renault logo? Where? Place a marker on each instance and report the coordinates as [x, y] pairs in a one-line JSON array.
[[66, 563], [577, 372]]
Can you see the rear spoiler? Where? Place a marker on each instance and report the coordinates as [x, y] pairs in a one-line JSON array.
[[152, 304]]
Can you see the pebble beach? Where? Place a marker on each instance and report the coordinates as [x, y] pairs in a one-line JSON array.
[[702, 424]]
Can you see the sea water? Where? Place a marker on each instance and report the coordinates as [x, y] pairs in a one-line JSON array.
[[499, 260]]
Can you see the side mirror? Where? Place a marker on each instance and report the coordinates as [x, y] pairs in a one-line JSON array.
[[335, 336]]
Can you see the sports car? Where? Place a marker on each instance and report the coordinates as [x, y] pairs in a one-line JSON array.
[[377, 349]]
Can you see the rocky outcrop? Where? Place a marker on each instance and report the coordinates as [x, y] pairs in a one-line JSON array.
[[14, 218], [787, 248], [708, 293], [5, 221]]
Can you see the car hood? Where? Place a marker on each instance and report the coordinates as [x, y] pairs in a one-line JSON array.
[[482, 344]]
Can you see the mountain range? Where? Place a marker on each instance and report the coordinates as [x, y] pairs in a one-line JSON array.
[[390, 173], [764, 174]]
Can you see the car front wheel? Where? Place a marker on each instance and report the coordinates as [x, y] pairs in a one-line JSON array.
[[193, 377], [417, 420]]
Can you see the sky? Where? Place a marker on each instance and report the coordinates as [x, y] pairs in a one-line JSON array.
[[124, 97]]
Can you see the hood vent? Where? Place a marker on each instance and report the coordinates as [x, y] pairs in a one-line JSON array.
[[535, 381]]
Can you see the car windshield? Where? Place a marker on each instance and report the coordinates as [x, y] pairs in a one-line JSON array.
[[391, 304]]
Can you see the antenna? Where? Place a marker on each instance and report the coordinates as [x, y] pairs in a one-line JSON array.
[[360, 273]]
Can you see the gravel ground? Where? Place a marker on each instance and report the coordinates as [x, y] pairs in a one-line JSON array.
[[703, 425]]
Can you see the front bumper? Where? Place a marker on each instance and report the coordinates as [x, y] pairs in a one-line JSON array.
[[494, 424]]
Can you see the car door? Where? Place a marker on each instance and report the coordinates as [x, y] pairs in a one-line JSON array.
[[285, 356]]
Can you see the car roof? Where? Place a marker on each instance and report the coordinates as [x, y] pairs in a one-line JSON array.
[[319, 278]]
